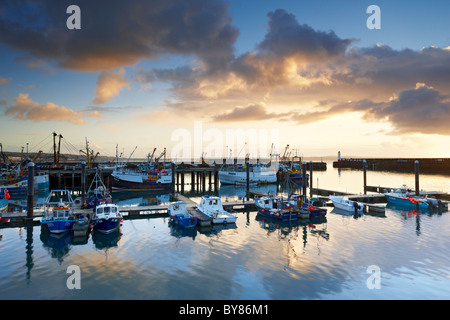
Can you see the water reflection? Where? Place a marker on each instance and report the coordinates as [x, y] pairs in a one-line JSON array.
[[105, 241], [342, 212], [180, 232], [57, 245], [284, 228], [256, 258], [29, 250], [139, 198]]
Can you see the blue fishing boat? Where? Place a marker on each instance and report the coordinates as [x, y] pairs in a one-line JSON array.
[[179, 215], [97, 193], [107, 218], [4, 197], [58, 217], [403, 197], [276, 208]]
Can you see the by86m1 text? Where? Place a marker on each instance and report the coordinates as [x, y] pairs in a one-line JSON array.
[[227, 309]]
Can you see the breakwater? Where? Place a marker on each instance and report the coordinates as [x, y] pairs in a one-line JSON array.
[[404, 165]]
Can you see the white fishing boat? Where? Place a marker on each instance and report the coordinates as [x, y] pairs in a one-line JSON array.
[[107, 218], [237, 174], [156, 179], [212, 207], [347, 205]]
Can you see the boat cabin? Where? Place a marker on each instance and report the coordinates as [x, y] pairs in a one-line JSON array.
[[106, 210]]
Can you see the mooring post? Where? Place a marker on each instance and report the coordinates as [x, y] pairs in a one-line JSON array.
[[365, 176], [247, 170], [216, 179], [310, 178], [416, 170], [304, 177], [83, 181], [30, 191], [172, 169]]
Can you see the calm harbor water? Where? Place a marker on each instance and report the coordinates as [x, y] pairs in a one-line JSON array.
[[256, 259]]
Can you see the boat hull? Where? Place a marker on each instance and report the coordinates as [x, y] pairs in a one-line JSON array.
[[284, 216], [107, 225], [224, 220], [58, 226], [3, 205], [396, 201], [124, 185], [186, 222], [342, 204], [297, 178], [240, 177], [317, 212]]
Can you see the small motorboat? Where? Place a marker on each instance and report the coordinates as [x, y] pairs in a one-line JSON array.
[[404, 197], [274, 207], [212, 207], [347, 205], [179, 215], [107, 218], [58, 216]]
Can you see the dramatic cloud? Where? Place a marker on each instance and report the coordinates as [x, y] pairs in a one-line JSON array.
[[286, 37], [291, 54], [309, 76], [295, 74], [249, 113], [119, 33], [382, 67], [109, 85], [419, 110], [3, 81], [27, 109], [422, 109]]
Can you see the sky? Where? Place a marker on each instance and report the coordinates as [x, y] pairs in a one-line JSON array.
[[227, 77]]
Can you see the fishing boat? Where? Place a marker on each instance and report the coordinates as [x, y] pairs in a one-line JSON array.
[[58, 216], [17, 189], [146, 176], [404, 197], [179, 215], [97, 193], [107, 218], [237, 174], [140, 179], [308, 208], [212, 207], [4, 197], [347, 205], [295, 174], [276, 208]]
